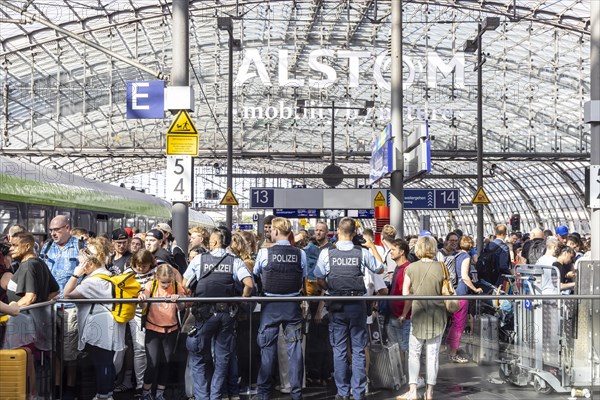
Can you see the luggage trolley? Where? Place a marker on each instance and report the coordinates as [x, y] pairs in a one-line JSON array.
[[545, 334]]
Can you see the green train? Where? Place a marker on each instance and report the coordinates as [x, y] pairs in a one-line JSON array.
[[32, 195]]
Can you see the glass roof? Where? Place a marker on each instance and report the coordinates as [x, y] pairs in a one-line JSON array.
[[64, 102]]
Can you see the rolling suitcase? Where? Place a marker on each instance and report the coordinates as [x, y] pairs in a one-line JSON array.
[[484, 342], [385, 370], [17, 377]]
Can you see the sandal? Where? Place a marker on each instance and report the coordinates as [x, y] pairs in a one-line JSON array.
[[408, 396]]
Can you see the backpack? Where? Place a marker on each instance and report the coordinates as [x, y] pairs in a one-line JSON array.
[[450, 262], [124, 286], [486, 265], [537, 249]]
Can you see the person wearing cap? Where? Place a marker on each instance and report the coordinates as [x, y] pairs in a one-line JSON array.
[[154, 241], [561, 234], [121, 256], [341, 271], [214, 274], [177, 254]]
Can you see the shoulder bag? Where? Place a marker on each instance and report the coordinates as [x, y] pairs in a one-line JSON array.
[[452, 305]]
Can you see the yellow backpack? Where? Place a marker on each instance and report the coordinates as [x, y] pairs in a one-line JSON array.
[[124, 286]]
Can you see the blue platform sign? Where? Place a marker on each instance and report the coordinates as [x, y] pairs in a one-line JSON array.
[[296, 213], [244, 227], [381, 155], [430, 199], [262, 198], [366, 213], [145, 99]]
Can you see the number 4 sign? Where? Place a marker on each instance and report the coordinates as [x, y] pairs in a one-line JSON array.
[[179, 178]]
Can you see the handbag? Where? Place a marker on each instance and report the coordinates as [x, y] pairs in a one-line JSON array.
[[452, 305]]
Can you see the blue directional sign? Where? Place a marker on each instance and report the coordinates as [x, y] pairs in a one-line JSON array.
[[366, 213], [430, 199], [244, 227], [294, 213], [145, 99], [262, 198]]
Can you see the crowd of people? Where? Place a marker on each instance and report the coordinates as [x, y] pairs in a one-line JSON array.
[[138, 356]]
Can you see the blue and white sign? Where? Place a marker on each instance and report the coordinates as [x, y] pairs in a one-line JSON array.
[[145, 99], [244, 227], [430, 199], [262, 198], [381, 155], [298, 213]]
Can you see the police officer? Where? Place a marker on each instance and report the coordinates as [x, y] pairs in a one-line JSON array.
[[282, 269], [216, 274], [341, 270]]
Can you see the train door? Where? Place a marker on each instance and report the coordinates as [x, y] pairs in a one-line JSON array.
[[116, 222], [84, 220], [141, 224], [101, 224]]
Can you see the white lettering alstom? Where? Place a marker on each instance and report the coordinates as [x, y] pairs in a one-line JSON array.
[[349, 261], [317, 62], [284, 258]]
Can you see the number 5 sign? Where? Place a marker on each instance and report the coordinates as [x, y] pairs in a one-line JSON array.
[[180, 184]]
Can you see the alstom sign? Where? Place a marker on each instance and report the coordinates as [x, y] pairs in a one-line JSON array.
[[253, 66]]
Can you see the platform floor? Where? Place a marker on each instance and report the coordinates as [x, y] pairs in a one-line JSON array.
[[455, 381]]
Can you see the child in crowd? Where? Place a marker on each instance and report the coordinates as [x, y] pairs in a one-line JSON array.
[[162, 328]]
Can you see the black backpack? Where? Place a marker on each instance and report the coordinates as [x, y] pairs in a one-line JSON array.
[[537, 249], [486, 264]]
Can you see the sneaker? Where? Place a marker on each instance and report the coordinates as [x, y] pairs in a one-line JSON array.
[[138, 393], [148, 396], [286, 390], [122, 388], [458, 359], [420, 382], [159, 397], [338, 397]]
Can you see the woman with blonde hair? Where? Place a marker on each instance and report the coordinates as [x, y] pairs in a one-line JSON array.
[[99, 334], [424, 278], [240, 249]]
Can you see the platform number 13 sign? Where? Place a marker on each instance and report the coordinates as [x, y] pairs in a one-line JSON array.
[[595, 186], [180, 170]]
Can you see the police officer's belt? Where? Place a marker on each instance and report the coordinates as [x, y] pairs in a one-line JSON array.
[[348, 293], [205, 311]]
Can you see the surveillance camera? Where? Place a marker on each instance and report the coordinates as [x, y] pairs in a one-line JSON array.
[[216, 165]]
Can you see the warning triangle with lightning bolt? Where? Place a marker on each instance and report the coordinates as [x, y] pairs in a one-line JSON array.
[[182, 124], [229, 199], [480, 197]]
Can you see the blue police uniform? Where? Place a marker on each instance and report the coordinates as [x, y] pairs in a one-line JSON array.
[[282, 269], [344, 268], [217, 273]]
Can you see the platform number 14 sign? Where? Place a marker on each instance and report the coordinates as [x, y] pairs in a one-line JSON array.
[[180, 170], [595, 186]]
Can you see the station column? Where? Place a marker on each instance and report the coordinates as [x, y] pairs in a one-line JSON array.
[[592, 116], [180, 76]]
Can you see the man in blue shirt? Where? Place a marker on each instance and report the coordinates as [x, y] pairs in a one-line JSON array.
[[62, 256], [216, 275], [282, 269], [342, 271]]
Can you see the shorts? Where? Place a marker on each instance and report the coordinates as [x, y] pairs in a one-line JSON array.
[[67, 333]]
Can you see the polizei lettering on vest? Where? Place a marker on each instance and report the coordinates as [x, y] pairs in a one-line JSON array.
[[219, 268], [284, 258], [350, 261]]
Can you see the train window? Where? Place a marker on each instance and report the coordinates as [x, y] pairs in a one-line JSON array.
[[9, 216], [36, 220], [101, 224], [151, 222], [130, 222], [116, 222], [62, 211], [142, 224], [85, 221]]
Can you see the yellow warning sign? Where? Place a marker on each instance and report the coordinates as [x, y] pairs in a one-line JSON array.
[[480, 197], [182, 124], [182, 145], [379, 200], [229, 199], [303, 221]]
